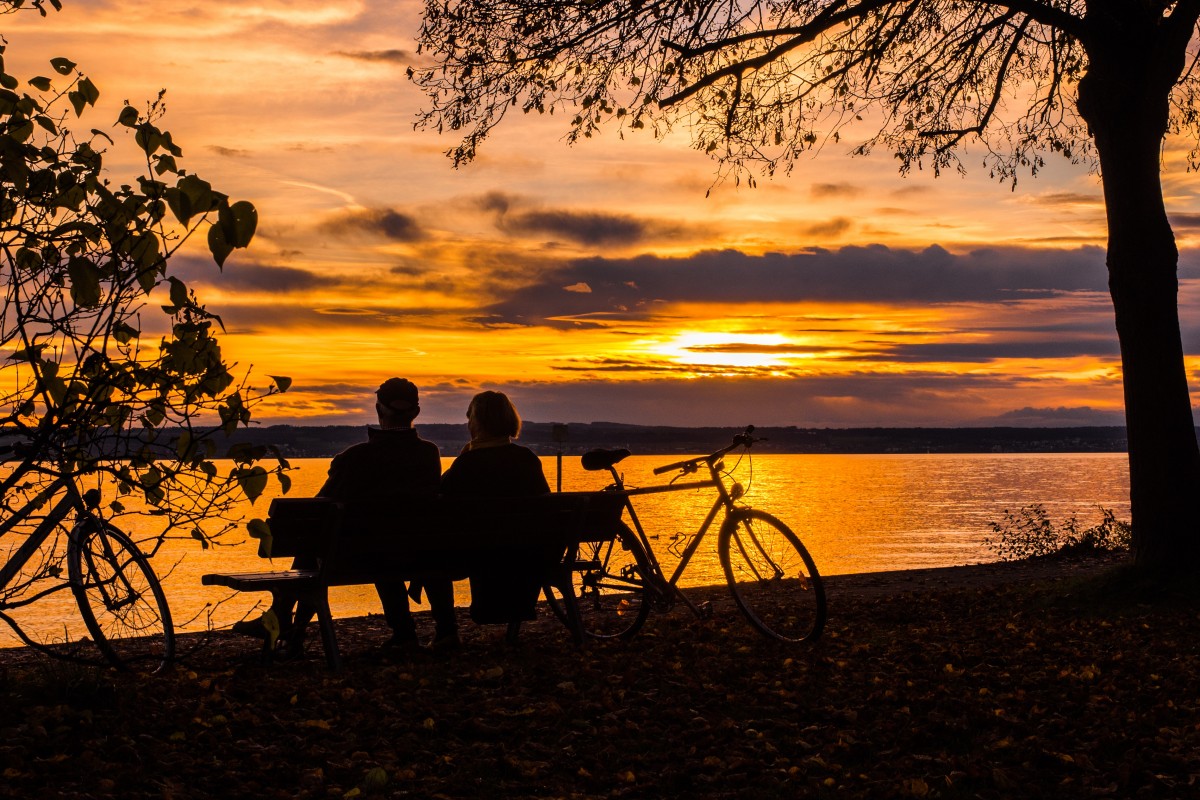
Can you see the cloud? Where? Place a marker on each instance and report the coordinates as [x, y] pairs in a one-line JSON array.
[[590, 228], [253, 318], [825, 190], [968, 352], [391, 56], [1184, 221], [871, 274], [229, 152], [385, 222], [1060, 417], [929, 400], [258, 277], [583, 227], [246, 276], [765, 349], [1066, 199], [831, 228]]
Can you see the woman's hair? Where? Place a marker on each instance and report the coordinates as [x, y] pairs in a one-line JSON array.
[[495, 414]]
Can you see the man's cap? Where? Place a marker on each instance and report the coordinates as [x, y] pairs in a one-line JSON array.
[[398, 394]]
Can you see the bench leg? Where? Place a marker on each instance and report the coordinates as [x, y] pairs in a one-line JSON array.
[[328, 638]]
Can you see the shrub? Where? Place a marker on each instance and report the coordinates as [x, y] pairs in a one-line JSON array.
[[1029, 533]]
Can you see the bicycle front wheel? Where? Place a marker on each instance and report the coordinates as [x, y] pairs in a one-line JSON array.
[[772, 577], [119, 597], [609, 580]]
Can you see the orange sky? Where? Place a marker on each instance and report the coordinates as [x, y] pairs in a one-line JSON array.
[[598, 282]]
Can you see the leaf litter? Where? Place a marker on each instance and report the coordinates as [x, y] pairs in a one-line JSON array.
[[981, 689]]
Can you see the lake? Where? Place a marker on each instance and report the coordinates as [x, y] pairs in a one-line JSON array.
[[855, 513]]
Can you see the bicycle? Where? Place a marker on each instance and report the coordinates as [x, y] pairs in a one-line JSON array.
[[771, 576], [120, 598]]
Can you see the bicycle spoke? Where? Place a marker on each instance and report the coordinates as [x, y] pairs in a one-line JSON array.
[[772, 577], [119, 597], [610, 588]]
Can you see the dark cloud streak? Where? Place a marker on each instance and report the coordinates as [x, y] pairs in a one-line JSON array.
[[870, 274], [385, 222]]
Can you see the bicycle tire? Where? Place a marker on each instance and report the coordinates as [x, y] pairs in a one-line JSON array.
[[610, 587], [120, 597], [772, 577]]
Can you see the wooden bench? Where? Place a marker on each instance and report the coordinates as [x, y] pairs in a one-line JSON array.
[[439, 537]]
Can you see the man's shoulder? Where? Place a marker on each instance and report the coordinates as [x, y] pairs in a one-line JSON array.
[[428, 445]]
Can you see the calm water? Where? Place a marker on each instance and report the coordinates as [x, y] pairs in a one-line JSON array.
[[855, 513]]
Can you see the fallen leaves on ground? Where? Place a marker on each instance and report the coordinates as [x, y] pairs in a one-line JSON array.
[[997, 691]]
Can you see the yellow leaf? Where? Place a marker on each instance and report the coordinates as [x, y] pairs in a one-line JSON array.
[[375, 779], [429, 723], [316, 723]]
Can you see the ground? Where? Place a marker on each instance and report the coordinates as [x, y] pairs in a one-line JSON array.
[[1000, 681]]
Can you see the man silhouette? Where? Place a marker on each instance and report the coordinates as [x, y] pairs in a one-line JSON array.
[[389, 470]]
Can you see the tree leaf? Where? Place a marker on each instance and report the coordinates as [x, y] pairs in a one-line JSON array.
[[63, 66], [128, 117], [198, 192], [124, 333], [199, 536], [179, 292], [85, 282], [253, 481], [218, 245], [89, 91], [239, 222], [282, 382]]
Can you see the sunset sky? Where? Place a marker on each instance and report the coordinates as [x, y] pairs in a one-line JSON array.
[[598, 282]]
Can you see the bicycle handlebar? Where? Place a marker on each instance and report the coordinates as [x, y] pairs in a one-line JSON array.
[[743, 439]]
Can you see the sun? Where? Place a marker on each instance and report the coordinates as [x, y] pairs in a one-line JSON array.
[[717, 348]]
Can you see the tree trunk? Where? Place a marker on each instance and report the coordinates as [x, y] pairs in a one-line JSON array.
[[1128, 124]]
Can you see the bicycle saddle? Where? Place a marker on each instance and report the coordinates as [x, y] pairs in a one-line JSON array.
[[602, 459]]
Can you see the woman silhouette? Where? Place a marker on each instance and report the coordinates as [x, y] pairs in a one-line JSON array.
[[491, 465]]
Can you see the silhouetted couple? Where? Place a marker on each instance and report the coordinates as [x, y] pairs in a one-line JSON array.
[[395, 467]]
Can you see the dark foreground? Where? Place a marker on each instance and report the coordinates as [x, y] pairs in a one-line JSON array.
[[1016, 681]]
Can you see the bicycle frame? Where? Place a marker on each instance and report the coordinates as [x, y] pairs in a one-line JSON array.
[[67, 503], [723, 503]]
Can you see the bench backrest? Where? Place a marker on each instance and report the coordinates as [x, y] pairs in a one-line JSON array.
[[307, 526], [446, 525]]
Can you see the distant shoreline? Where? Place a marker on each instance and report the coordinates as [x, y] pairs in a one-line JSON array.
[[300, 441]]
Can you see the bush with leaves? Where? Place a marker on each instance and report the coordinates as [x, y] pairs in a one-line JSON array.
[[1029, 533], [111, 374]]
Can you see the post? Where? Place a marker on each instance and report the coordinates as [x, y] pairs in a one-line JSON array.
[[558, 432]]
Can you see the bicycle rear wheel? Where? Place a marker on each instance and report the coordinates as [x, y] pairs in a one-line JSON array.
[[609, 580], [772, 577], [119, 597]]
